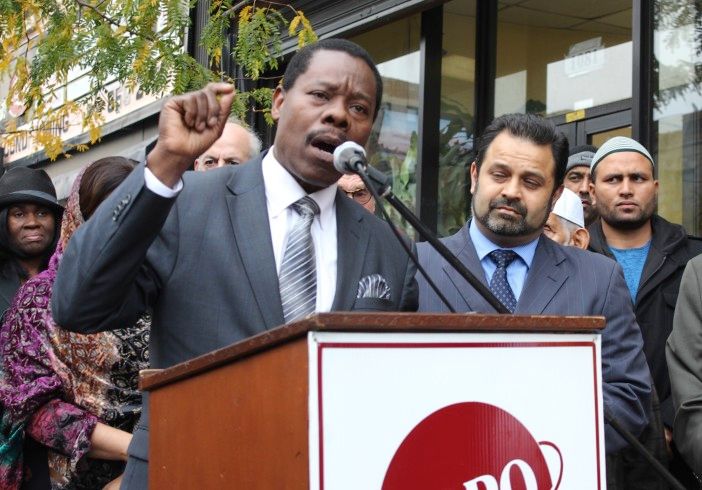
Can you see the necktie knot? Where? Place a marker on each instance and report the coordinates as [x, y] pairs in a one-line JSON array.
[[502, 258], [306, 207]]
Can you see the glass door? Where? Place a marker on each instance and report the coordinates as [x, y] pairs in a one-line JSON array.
[[594, 130]]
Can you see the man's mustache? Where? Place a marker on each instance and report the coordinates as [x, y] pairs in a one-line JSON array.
[[511, 203], [329, 133]]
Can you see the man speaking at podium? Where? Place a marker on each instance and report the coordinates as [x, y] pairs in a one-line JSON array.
[[223, 255], [516, 176]]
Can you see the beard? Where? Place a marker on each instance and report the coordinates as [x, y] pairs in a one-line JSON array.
[[508, 225], [631, 221], [590, 215]]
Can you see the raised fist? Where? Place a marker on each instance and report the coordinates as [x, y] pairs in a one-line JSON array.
[[188, 125]]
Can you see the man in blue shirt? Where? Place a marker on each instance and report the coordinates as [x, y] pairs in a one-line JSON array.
[[516, 176], [652, 251]]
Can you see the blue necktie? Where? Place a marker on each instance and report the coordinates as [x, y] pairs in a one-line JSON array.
[[498, 284], [298, 272]]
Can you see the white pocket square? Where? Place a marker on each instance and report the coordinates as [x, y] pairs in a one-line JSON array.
[[373, 286]]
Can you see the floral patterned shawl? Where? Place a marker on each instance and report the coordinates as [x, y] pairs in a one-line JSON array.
[[56, 385]]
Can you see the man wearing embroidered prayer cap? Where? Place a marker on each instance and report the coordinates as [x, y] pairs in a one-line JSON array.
[[566, 223], [577, 178], [652, 251]]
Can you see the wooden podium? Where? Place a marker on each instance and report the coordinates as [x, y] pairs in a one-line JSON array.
[[343, 400]]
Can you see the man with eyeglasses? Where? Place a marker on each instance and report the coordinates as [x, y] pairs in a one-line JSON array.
[[353, 187]]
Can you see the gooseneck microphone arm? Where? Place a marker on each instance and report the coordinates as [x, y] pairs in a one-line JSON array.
[[371, 187], [350, 157]]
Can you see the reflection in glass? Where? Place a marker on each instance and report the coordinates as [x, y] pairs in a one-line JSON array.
[[677, 120], [392, 146], [457, 110], [557, 57]]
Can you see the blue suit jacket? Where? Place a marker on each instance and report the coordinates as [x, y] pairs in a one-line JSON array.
[[561, 281]]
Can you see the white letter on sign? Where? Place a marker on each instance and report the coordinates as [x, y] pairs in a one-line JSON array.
[[487, 480], [526, 471]]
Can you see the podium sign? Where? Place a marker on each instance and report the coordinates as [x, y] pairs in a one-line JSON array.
[[492, 411], [386, 401]]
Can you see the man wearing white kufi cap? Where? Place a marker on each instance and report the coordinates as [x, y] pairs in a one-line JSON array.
[[566, 223], [652, 251]]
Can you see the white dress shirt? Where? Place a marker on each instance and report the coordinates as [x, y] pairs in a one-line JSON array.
[[282, 190]]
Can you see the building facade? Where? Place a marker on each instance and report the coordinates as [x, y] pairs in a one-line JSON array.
[[596, 68]]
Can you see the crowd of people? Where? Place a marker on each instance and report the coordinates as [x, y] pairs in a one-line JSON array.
[[149, 265]]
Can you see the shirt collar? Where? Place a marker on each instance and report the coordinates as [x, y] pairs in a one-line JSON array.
[[282, 190], [484, 246]]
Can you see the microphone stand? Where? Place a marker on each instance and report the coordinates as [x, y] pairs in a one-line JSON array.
[[641, 449], [377, 183]]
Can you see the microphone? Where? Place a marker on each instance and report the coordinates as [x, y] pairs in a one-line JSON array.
[[350, 158]]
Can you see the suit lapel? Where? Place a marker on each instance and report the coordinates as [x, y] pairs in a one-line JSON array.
[[544, 278], [462, 246], [248, 214], [352, 241]]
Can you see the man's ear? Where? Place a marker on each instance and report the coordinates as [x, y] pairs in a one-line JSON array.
[[556, 195], [473, 177], [278, 99], [580, 238], [591, 188]]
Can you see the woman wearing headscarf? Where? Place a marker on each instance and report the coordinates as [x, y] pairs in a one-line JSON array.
[[77, 395]]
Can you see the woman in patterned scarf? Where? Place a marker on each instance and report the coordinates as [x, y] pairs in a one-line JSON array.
[[75, 394]]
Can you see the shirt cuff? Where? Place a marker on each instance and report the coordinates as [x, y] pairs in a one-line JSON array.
[[158, 187]]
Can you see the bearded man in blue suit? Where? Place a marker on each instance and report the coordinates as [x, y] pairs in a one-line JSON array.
[[516, 177]]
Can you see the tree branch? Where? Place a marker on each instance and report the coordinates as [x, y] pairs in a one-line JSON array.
[[111, 21]]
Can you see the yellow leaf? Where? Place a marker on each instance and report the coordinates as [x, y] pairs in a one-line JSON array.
[[216, 55], [245, 14], [293, 24]]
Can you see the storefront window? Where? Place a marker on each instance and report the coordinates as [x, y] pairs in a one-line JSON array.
[[558, 57], [457, 111], [676, 114], [392, 146]]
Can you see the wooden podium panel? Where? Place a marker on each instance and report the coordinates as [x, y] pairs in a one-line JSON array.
[[244, 416], [238, 423]]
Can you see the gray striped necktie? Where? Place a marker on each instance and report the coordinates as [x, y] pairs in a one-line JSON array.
[[298, 274]]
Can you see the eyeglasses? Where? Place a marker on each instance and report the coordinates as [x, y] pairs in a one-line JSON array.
[[361, 196]]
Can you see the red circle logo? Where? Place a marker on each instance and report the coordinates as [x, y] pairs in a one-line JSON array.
[[469, 446]]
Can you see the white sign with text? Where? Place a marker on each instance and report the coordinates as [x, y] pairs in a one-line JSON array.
[[459, 410]]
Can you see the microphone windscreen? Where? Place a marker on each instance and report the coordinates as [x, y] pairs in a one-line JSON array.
[[345, 153]]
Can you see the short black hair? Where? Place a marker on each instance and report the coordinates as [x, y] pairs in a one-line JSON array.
[[301, 61], [530, 127]]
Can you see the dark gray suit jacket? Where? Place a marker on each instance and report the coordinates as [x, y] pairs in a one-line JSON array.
[[685, 366], [203, 262], [561, 281]]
